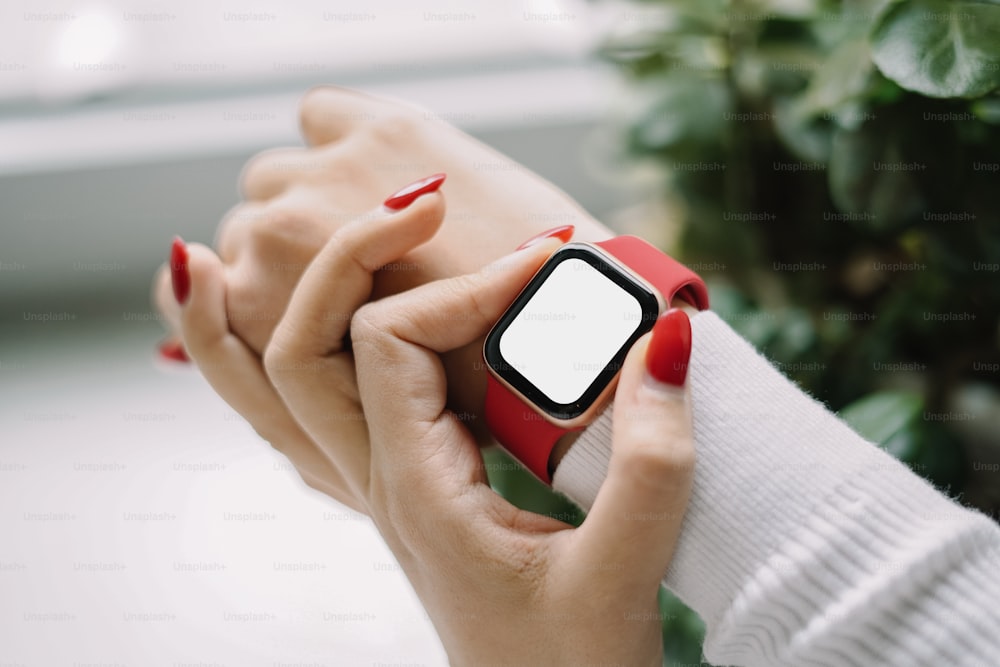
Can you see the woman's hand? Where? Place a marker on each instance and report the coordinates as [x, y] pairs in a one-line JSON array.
[[502, 586], [499, 583], [236, 371], [359, 148]]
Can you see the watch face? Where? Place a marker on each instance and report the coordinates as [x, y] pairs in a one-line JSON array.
[[566, 335]]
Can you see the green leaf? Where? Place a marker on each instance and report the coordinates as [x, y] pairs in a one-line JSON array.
[[842, 21], [940, 48], [842, 78], [681, 111], [683, 631], [777, 9], [520, 488], [882, 415], [796, 334], [773, 68], [904, 445], [807, 139]]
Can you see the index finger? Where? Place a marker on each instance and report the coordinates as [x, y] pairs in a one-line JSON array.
[[340, 278], [397, 341]]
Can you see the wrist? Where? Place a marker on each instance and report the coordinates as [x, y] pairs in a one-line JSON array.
[[553, 357]]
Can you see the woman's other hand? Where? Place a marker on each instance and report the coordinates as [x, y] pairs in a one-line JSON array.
[[502, 586], [338, 466]]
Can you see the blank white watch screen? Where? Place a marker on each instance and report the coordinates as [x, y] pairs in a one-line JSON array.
[[570, 330]]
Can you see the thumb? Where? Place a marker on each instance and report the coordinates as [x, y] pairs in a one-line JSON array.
[[636, 518]]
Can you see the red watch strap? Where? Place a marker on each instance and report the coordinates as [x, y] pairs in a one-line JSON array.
[[666, 274], [526, 434]]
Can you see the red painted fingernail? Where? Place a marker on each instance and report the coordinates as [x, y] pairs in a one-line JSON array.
[[180, 277], [670, 349], [564, 233], [403, 198], [172, 351]]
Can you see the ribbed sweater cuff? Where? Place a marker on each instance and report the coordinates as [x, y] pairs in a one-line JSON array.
[[795, 521]]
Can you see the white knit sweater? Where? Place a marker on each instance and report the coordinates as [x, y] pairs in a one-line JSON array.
[[804, 544]]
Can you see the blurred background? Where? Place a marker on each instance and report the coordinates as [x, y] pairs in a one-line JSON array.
[[142, 522], [839, 192]]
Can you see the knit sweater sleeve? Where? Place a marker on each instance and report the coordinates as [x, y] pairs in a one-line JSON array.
[[804, 544]]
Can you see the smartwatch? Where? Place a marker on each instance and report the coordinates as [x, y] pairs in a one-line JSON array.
[[554, 356]]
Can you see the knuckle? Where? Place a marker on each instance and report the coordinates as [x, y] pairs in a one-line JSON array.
[[268, 174], [279, 226], [280, 239], [471, 286], [465, 283], [654, 462], [315, 102], [272, 363], [257, 173], [368, 325], [229, 237], [254, 305], [395, 126], [353, 244], [279, 358], [519, 560]]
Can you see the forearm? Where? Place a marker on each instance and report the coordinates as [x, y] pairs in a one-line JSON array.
[[803, 543]]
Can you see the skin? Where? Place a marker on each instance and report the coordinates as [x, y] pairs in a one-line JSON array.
[[501, 585], [359, 149]]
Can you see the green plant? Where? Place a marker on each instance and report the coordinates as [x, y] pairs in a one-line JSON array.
[[833, 169], [838, 163]]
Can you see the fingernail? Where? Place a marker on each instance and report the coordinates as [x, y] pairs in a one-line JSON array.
[[172, 350], [180, 277], [670, 349], [564, 233], [403, 198]]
